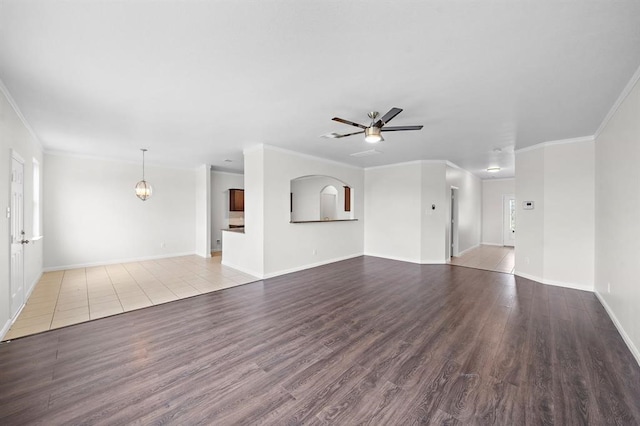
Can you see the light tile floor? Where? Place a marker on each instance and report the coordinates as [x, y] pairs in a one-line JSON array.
[[73, 296], [491, 258]]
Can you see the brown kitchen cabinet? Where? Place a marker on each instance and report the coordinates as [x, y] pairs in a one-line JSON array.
[[236, 200]]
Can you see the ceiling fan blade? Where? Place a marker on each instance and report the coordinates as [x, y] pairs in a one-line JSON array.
[[351, 123], [338, 135], [388, 117], [397, 128]]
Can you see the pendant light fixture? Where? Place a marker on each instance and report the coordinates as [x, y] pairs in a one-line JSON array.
[[143, 188]]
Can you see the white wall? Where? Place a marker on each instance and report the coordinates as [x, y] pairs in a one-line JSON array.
[[202, 216], [469, 195], [400, 221], [530, 223], [556, 239], [392, 211], [245, 251], [221, 182], [433, 222], [493, 191], [92, 216], [294, 246], [271, 245], [15, 135], [617, 224], [569, 214]]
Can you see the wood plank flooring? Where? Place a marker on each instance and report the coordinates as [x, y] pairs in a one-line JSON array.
[[363, 341]]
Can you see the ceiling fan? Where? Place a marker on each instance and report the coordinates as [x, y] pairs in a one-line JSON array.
[[372, 132]]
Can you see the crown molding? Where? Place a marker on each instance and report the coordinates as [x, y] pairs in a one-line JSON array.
[[79, 156], [558, 142], [307, 156], [614, 108], [15, 107]]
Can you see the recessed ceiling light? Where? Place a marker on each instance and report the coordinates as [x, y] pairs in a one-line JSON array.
[[493, 169]]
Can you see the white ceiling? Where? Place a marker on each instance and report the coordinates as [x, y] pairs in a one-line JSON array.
[[198, 81]]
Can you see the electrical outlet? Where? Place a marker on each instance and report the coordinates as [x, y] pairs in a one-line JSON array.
[[218, 242]]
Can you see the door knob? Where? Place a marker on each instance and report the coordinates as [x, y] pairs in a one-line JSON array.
[[24, 242]]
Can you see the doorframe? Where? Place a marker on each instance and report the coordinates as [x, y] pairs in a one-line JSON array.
[[506, 197], [453, 248]]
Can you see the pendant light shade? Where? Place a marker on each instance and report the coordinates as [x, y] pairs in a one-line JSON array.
[[143, 188]]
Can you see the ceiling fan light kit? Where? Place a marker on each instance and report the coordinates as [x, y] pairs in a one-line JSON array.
[[372, 133]]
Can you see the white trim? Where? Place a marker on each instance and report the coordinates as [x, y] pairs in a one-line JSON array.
[[398, 258], [16, 156], [616, 105], [116, 261], [493, 244], [11, 321], [58, 153], [575, 286], [558, 142], [5, 328], [26, 124], [634, 350], [311, 265], [460, 253], [227, 173], [408, 163], [408, 260], [490, 179], [310, 157], [243, 270]]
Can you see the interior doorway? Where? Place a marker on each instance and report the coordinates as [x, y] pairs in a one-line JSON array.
[[509, 220], [328, 203]]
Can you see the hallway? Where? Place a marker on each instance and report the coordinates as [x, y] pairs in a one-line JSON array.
[[489, 258]]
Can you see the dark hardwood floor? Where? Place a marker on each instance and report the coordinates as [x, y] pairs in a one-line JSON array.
[[366, 340]]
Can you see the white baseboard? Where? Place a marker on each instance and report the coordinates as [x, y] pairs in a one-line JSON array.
[[5, 328], [10, 321], [409, 260], [311, 265], [634, 350], [469, 249], [113, 262], [242, 269], [575, 286]]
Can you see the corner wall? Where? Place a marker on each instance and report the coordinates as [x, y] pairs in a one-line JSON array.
[[555, 240], [469, 208], [617, 228], [15, 135]]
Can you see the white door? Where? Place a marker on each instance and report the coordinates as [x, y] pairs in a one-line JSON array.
[[509, 220], [17, 235]]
